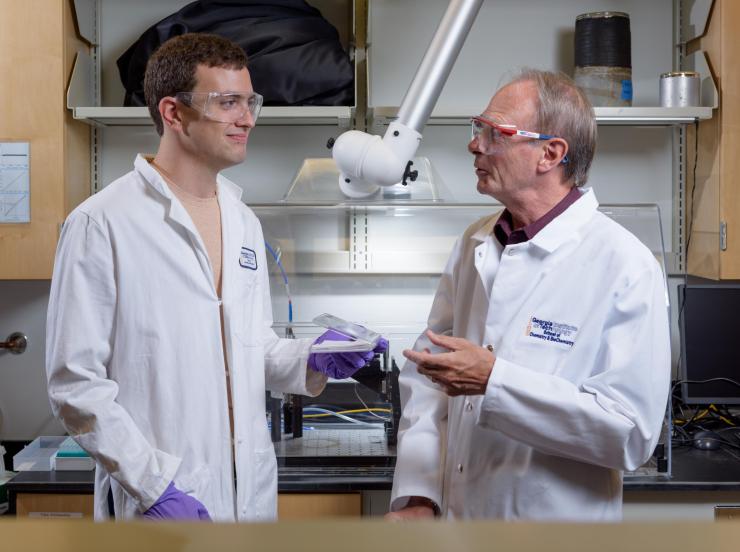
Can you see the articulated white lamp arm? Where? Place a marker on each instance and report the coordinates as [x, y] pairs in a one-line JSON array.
[[366, 161]]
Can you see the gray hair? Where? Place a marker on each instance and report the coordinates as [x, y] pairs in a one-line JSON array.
[[566, 112]]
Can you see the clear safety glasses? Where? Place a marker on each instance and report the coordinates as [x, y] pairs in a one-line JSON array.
[[224, 107], [491, 135]]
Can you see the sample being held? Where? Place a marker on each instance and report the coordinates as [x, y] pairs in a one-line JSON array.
[[361, 338], [344, 348]]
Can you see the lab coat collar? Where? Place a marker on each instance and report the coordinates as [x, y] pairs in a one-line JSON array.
[[225, 186], [486, 228], [559, 230], [563, 227]]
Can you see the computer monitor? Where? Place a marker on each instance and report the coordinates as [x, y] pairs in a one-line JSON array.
[[709, 322]]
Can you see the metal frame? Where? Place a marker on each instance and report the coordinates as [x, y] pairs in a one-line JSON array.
[[85, 88], [375, 119], [679, 156]]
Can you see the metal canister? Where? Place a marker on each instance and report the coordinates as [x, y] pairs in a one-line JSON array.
[[680, 89]]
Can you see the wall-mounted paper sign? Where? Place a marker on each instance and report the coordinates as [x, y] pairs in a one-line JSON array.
[[15, 184]]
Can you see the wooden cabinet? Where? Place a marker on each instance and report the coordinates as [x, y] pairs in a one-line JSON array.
[[680, 506], [54, 505], [714, 246], [727, 513], [291, 506], [38, 42], [295, 506]]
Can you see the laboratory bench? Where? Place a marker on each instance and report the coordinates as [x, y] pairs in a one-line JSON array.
[[335, 460], [329, 463]]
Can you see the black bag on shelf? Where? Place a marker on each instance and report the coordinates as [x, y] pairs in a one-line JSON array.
[[295, 57]]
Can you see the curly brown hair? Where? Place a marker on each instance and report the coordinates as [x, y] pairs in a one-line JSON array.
[[171, 68]]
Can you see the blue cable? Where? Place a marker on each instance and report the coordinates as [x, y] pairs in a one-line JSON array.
[[276, 256]]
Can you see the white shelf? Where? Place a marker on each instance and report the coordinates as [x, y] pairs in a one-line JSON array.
[[661, 116], [628, 116], [341, 116], [139, 116], [80, 100]]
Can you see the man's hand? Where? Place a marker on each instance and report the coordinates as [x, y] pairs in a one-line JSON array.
[[342, 365], [463, 371], [418, 508]]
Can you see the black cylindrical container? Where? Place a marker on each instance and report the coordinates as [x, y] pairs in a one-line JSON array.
[[603, 56]]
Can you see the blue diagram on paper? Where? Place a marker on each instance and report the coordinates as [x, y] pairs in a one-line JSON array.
[[15, 191]]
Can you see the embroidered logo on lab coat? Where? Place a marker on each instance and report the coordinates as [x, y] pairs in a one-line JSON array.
[[552, 332], [248, 258]]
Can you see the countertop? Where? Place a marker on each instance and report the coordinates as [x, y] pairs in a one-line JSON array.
[[694, 470], [360, 460]]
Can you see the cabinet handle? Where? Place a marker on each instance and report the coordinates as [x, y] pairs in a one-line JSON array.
[[16, 343]]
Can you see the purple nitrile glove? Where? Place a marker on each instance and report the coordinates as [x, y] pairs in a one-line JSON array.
[[176, 505], [341, 365]]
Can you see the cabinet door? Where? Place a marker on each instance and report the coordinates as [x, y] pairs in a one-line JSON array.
[[32, 110], [54, 505], [713, 187], [319, 505]]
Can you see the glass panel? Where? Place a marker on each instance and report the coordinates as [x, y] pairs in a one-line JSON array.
[[318, 180], [378, 264]]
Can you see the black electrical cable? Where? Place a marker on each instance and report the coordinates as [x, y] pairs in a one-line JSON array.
[[693, 190], [682, 434]]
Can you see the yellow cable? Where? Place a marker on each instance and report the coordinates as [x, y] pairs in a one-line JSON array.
[[348, 412], [703, 415], [366, 410]]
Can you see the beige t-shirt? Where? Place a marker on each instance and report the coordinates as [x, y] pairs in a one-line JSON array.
[[206, 216]]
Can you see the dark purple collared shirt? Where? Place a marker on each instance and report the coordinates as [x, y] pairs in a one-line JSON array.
[[506, 235]]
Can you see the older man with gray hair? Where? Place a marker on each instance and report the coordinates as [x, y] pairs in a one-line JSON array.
[[544, 372]]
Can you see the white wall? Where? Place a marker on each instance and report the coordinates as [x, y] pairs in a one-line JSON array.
[[632, 165], [24, 406]]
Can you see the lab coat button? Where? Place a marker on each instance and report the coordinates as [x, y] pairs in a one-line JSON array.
[[511, 252], [460, 468], [468, 406]]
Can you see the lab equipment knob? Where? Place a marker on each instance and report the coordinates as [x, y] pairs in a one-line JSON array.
[[16, 343], [409, 174]]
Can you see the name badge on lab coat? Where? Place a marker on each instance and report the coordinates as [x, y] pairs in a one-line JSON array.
[[248, 258], [548, 331]]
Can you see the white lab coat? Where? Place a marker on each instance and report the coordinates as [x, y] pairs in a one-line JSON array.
[[135, 361], [561, 416]]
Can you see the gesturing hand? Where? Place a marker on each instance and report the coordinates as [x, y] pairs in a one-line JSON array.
[[464, 370]]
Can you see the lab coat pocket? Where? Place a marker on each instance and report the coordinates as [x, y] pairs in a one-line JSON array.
[[194, 482], [539, 355], [265, 484]]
